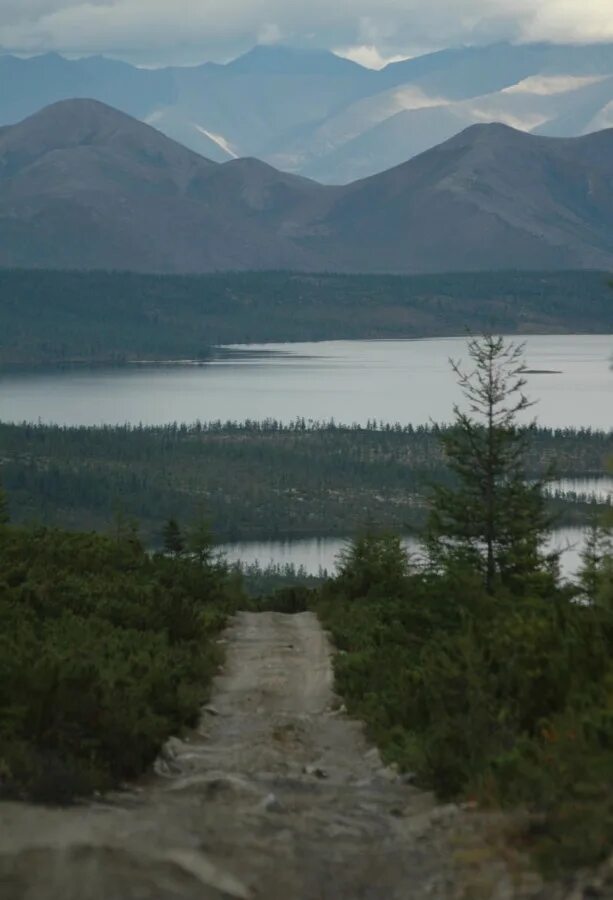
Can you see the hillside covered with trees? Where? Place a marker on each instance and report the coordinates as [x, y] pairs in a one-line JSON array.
[[60, 317]]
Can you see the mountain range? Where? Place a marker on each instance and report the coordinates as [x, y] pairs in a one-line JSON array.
[[84, 186], [315, 114]]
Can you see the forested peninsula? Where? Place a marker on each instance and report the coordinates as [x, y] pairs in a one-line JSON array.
[[259, 480]]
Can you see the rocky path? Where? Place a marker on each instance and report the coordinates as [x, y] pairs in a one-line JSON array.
[[277, 796]]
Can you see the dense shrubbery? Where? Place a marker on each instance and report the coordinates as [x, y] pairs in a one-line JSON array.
[[104, 652], [477, 668], [508, 699], [263, 581]]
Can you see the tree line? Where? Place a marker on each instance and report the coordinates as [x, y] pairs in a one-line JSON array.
[[256, 480]]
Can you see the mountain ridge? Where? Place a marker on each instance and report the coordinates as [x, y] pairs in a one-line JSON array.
[[318, 114], [83, 185]]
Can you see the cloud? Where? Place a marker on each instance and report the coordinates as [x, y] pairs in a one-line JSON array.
[[368, 55], [270, 33], [216, 28]]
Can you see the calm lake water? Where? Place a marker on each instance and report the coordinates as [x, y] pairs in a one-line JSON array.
[[320, 554], [349, 381]]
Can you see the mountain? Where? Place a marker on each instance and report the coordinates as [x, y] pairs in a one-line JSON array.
[[286, 61], [313, 113], [490, 198], [85, 186], [537, 105], [31, 84]]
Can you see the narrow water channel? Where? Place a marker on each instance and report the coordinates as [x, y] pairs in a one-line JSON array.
[[320, 555]]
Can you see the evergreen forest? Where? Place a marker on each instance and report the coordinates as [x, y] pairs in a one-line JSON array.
[[51, 317], [259, 480]]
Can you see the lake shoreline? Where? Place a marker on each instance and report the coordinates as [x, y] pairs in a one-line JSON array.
[[235, 351], [387, 381], [317, 556]]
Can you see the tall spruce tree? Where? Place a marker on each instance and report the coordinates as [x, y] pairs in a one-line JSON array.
[[200, 540], [4, 508], [596, 573], [492, 520], [174, 542]]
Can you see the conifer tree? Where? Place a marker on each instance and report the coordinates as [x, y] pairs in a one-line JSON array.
[[596, 573], [4, 508], [125, 529], [492, 520], [200, 540], [596, 561], [174, 543]]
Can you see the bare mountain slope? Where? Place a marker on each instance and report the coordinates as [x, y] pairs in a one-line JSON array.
[[490, 198], [411, 122], [84, 186]]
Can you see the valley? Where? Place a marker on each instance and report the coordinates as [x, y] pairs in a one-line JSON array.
[[306, 485]]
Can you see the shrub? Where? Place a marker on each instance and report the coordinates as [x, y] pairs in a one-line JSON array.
[[104, 652]]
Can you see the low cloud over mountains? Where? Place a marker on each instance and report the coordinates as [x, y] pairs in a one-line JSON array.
[[315, 114], [166, 30]]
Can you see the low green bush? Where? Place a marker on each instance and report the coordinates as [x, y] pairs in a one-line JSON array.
[[505, 699], [105, 651]]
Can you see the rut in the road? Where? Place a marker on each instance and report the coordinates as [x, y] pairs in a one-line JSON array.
[[277, 796]]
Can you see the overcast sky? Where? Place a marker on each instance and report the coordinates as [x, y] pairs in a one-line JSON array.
[[184, 31]]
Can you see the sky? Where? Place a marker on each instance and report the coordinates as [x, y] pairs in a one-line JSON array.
[[158, 32]]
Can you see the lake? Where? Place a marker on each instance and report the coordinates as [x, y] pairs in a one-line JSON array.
[[406, 381], [320, 554]]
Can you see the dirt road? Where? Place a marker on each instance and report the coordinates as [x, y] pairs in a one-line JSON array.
[[277, 796]]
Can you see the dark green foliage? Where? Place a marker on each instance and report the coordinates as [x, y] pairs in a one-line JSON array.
[[491, 519], [200, 542], [505, 700], [480, 671], [255, 480], [373, 565], [174, 542], [264, 581], [596, 553], [289, 600], [59, 317], [105, 651], [4, 508]]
